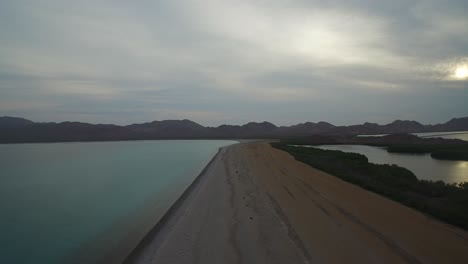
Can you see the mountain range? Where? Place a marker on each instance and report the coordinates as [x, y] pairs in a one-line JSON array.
[[20, 130]]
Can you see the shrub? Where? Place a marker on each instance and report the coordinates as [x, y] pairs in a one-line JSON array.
[[448, 202]]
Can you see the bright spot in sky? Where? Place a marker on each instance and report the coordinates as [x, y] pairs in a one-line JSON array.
[[461, 72]]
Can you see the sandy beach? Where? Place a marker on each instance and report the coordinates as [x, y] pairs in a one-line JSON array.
[[256, 204]]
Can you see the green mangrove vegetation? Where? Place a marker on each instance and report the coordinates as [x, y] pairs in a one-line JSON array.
[[439, 148], [447, 202], [450, 154], [442, 152]]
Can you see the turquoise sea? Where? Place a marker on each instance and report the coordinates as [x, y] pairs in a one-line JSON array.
[[89, 202]]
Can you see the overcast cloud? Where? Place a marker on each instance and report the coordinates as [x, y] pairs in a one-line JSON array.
[[217, 61]]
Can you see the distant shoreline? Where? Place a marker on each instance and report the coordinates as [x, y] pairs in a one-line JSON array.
[[445, 134], [20, 130], [448, 133]]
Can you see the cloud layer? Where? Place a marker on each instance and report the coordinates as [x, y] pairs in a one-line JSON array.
[[217, 61]]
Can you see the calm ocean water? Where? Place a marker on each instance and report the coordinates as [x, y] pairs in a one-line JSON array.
[[423, 166], [82, 202]]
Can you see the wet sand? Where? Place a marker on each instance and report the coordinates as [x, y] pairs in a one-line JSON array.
[[256, 204]]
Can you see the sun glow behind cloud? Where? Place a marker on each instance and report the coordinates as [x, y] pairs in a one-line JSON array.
[[451, 70], [217, 56], [318, 36], [328, 37], [461, 72]]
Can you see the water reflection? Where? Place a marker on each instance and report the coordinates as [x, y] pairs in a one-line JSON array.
[[423, 166], [463, 135]]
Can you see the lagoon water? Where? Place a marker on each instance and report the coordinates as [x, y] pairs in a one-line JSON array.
[[423, 166], [84, 202], [463, 135]]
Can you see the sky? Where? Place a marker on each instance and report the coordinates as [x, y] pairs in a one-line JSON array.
[[218, 61]]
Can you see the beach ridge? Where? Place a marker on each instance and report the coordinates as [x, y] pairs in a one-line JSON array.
[[256, 204]]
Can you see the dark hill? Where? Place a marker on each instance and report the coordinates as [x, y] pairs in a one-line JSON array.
[[14, 122], [20, 130]]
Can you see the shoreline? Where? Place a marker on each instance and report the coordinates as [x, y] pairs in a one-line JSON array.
[[256, 204], [122, 140], [169, 214]]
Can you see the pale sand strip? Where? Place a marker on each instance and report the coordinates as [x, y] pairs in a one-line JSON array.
[[256, 204]]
